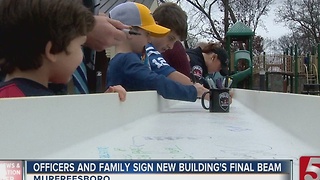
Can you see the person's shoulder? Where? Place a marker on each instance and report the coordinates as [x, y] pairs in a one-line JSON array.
[[197, 49], [189, 51], [125, 59], [150, 49], [124, 56], [127, 54], [10, 89], [195, 54], [149, 46], [21, 87]]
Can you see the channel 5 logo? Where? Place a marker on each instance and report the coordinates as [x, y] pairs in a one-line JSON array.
[[310, 168]]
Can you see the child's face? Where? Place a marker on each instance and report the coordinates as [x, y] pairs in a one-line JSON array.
[[67, 63], [140, 41], [166, 42]]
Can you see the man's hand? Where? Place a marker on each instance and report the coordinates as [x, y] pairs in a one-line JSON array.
[[106, 33]]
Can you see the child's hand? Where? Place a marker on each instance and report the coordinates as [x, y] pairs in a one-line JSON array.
[[120, 90], [201, 90]]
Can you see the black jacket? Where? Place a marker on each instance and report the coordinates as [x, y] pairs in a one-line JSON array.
[[199, 69]]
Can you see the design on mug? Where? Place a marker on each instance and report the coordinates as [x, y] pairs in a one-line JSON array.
[[224, 101]]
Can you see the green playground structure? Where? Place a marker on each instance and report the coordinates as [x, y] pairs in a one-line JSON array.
[[288, 72], [241, 75], [240, 34]]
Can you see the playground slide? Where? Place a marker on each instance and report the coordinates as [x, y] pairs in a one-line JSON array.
[[241, 75]]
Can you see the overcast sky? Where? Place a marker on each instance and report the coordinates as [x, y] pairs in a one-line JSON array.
[[274, 30]]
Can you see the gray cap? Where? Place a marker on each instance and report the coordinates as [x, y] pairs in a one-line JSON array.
[[136, 14]]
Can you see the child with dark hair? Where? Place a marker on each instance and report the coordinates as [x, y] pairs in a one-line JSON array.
[[40, 42]]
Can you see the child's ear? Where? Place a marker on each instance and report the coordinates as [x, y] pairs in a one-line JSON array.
[[51, 57], [214, 56]]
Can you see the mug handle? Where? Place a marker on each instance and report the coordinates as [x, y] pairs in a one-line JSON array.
[[202, 100]]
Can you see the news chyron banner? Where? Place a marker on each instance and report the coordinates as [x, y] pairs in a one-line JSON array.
[[11, 170], [159, 169]]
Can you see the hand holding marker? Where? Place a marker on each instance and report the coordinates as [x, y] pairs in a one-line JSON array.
[[130, 31]]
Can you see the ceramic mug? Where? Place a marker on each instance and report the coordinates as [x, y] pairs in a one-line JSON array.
[[219, 100]]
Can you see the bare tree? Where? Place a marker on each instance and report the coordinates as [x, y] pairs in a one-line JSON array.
[[304, 44], [207, 16], [205, 21], [258, 43], [302, 17], [250, 12], [208, 22], [270, 46]]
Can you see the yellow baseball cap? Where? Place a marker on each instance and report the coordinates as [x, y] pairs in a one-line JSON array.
[[136, 14]]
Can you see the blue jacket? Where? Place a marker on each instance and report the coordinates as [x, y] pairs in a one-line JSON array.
[[126, 69], [156, 61]]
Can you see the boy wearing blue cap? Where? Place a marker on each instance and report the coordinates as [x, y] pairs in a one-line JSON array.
[[126, 68]]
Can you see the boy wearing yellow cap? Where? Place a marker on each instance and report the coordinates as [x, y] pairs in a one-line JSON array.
[[127, 69]]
